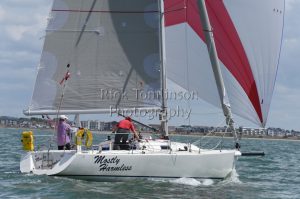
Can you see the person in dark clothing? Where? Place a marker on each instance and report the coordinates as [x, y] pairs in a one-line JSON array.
[[123, 128]]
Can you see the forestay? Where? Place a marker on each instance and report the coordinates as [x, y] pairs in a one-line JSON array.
[[248, 36], [113, 50]]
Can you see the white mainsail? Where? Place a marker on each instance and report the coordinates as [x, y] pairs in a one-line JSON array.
[[248, 41], [113, 50]]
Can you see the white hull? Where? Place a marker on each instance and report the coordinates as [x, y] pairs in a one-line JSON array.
[[131, 163]]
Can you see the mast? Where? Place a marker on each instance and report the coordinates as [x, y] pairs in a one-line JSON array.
[[77, 120], [213, 55], [163, 114]]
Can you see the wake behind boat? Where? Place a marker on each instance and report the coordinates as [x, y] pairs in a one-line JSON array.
[[99, 53]]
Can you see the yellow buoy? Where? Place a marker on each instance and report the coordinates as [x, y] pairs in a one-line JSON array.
[[81, 133], [27, 140]]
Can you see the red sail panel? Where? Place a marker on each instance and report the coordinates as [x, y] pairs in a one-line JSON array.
[[229, 47]]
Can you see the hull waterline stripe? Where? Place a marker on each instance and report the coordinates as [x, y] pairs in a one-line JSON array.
[[114, 176]]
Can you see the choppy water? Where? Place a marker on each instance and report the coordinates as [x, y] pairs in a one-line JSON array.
[[277, 175]]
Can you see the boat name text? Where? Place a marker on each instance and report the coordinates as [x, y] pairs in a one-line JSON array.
[[110, 164]]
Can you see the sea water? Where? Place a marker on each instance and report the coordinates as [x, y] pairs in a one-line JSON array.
[[276, 175]]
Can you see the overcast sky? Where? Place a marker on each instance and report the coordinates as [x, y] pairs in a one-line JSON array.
[[22, 25]]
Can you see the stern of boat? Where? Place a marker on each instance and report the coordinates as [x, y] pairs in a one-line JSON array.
[[26, 163], [46, 162]]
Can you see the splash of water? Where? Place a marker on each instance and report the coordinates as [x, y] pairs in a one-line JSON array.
[[207, 182], [234, 177], [186, 181]]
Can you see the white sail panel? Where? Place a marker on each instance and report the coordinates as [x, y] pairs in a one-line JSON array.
[[238, 98], [113, 50], [188, 63], [259, 25]]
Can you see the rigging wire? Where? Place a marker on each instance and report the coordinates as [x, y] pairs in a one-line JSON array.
[[63, 83], [199, 141]]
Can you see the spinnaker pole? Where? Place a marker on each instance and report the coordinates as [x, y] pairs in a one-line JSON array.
[[213, 55]]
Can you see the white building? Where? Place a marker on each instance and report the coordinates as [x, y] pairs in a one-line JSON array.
[[93, 125]]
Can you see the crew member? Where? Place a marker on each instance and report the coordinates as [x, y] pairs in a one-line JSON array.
[[63, 133], [123, 128]]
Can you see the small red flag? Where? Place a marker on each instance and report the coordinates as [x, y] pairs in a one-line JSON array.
[[66, 77]]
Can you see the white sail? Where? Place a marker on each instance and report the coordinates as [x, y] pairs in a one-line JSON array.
[[248, 39], [113, 50]]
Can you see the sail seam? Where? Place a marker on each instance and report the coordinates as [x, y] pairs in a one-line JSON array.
[[107, 11]]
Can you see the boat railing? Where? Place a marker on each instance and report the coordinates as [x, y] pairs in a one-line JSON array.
[[209, 136]]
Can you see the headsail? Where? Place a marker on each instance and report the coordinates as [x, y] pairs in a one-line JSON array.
[[113, 50], [248, 40]]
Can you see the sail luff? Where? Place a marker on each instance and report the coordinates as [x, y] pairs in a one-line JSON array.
[[272, 84]]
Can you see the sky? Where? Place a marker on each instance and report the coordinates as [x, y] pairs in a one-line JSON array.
[[22, 29]]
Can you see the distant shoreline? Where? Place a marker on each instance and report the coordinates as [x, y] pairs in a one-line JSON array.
[[246, 138], [295, 138]]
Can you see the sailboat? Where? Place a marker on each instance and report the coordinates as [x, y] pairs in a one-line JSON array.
[[99, 53]]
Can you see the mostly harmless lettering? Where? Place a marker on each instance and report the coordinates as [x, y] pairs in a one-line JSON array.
[[110, 164]]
